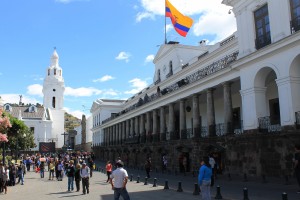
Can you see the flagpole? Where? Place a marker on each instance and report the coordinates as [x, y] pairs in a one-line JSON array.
[[165, 25]]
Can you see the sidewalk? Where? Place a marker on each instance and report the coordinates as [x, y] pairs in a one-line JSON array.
[[271, 189]]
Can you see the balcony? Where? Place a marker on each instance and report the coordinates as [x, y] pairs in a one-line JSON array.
[[295, 24]]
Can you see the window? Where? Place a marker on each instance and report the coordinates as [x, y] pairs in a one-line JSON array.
[[262, 27], [32, 109], [48, 72], [7, 108], [295, 15], [171, 67], [53, 102], [54, 71]]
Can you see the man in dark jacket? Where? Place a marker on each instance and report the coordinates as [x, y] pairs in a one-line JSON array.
[[70, 171]]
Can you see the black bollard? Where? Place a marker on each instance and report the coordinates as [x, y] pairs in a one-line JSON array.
[[284, 196], [264, 180], [218, 195], [138, 179], [179, 187], [146, 181], [131, 177], [155, 182], [229, 177], [246, 194], [166, 185], [196, 190], [245, 177]]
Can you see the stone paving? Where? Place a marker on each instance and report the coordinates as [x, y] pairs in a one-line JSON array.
[[36, 187]]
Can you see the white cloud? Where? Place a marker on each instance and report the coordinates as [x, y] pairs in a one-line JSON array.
[[123, 56], [104, 78], [169, 27], [82, 91], [137, 85], [210, 17], [35, 89], [15, 98], [149, 58]]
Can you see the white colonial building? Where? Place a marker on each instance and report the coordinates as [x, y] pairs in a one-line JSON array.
[[238, 88], [46, 121]]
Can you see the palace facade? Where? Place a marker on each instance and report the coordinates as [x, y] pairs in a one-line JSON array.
[[238, 100]]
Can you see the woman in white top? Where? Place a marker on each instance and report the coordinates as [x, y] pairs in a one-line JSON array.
[[5, 178]]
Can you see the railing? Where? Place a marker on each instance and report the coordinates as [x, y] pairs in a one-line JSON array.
[[157, 81], [295, 24], [265, 125], [220, 129], [238, 129], [184, 66], [262, 41], [227, 40], [196, 76], [189, 133], [204, 131]]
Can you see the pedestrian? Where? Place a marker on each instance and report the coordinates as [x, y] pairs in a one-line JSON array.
[[108, 170], [148, 166], [28, 163], [20, 174], [212, 163], [297, 164], [77, 177], [85, 175], [70, 172], [5, 179], [60, 170], [91, 165], [164, 163], [118, 180], [204, 178], [1, 177], [51, 169], [42, 168], [12, 175]]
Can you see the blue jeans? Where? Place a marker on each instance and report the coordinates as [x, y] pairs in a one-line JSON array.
[[42, 173], [205, 190], [21, 178], [121, 191], [71, 183]]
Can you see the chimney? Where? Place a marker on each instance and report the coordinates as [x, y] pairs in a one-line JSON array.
[[202, 43], [20, 102]]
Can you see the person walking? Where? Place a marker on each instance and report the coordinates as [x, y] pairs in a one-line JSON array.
[[51, 169], [204, 178], [118, 180], [42, 168], [77, 177], [297, 165], [1, 177], [148, 165], [70, 172], [20, 174], [85, 175], [5, 179], [108, 168]]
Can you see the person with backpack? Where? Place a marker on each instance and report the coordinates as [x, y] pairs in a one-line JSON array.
[[85, 176], [70, 172], [42, 169]]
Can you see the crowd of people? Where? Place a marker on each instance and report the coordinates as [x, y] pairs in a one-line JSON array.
[[77, 167]]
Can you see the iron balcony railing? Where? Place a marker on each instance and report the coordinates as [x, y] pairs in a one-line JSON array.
[[265, 126], [295, 24]]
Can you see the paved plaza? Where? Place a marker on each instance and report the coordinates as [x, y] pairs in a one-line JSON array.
[[37, 188]]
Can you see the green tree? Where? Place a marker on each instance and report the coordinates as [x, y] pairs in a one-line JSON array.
[[19, 135]]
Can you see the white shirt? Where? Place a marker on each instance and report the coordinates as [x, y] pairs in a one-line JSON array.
[[119, 176], [85, 173]]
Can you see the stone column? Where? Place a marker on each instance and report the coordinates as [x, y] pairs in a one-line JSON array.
[[148, 131], [211, 122], [117, 134], [142, 129], [162, 124], [104, 137], [196, 117], [124, 131], [120, 132], [114, 134], [182, 120], [127, 129], [155, 131], [131, 127], [171, 122], [110, 135], [136, 124], [228, 115]]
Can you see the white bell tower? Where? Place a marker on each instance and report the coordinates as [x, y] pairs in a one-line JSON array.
[[53, 91]]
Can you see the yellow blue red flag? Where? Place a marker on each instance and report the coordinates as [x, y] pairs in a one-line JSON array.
[[181, 23]]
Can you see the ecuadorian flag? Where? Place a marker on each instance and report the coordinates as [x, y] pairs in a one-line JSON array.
[[181, 23]]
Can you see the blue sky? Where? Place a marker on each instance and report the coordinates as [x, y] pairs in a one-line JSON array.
[[106, 48]]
